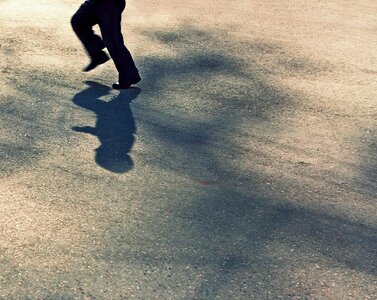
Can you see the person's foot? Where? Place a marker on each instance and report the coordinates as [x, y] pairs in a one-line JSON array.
[[126, 84], [97, 60]]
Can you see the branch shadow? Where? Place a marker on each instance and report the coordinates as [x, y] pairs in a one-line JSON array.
[[369, 167], [115, 127]]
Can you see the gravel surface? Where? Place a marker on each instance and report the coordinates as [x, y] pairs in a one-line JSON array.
[[243, 166]]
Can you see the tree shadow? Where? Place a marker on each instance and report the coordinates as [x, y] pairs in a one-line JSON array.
[[115, 127], [243, 225], [369, 167]]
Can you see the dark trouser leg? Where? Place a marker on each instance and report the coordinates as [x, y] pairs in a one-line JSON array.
[[82, 22], [110, 17]]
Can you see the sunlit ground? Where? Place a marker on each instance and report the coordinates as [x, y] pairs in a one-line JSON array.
[[252, 146]]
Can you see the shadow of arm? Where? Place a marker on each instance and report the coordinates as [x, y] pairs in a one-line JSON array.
[[85, 129]]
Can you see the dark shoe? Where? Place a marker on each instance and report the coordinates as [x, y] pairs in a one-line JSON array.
[[97, 60], [127, 84]]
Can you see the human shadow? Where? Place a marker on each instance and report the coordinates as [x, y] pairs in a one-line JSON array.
[[115, 127]]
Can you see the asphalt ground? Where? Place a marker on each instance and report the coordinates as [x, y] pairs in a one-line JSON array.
[[243, 166]]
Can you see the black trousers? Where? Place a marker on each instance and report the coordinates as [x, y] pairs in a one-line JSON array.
[[108, 15]]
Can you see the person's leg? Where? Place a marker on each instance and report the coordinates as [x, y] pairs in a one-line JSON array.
[[110, 16], [82, 22]]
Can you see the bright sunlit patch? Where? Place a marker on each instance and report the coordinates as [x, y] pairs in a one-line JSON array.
[[38, 13], [45, 61]]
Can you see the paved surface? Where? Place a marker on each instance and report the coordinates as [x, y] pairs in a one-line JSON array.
[[242, 167]]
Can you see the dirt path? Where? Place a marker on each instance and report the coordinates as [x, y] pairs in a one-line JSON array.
[[244, 166]]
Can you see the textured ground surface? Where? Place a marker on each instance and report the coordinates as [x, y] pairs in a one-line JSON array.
[[252, 153]]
